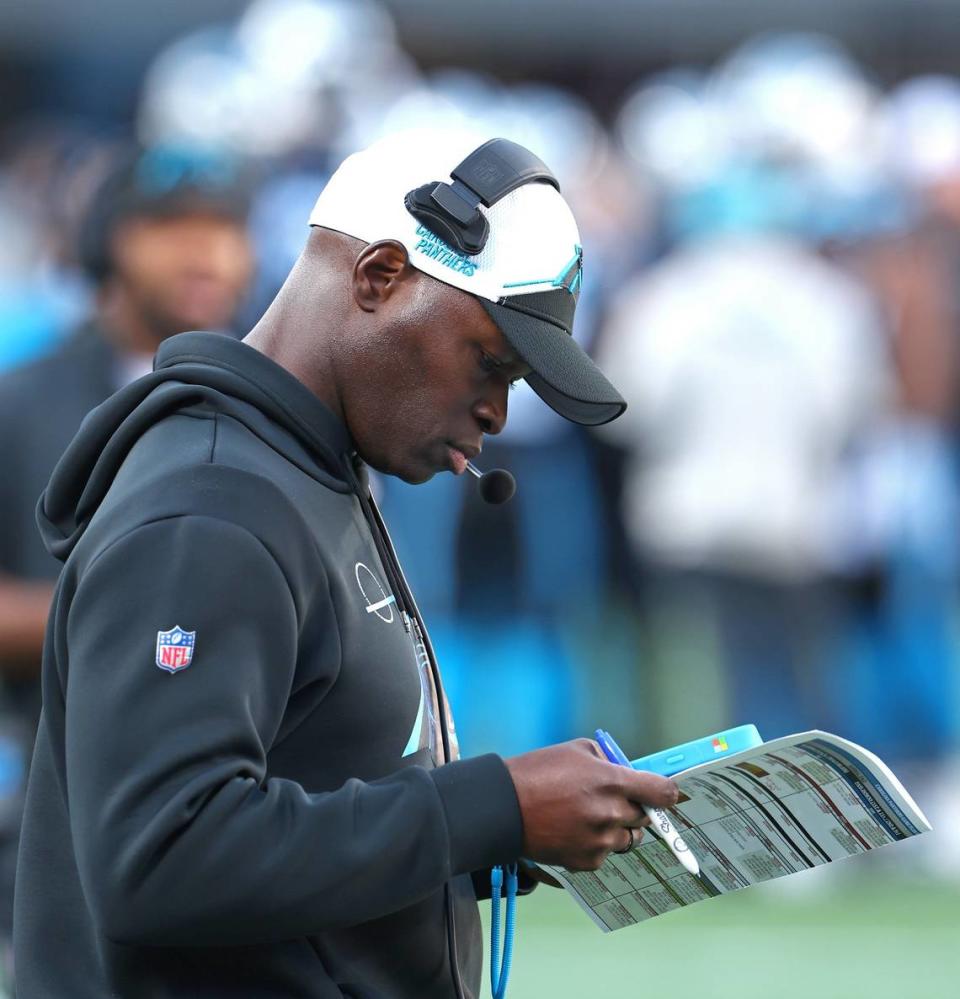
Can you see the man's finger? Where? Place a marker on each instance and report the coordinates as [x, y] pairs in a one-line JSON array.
[[650, 789], [631, 815], [628, 843], [633, 838]]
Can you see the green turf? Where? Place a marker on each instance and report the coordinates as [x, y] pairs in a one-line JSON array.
[[884, 938]]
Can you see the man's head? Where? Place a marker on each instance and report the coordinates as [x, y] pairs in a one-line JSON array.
[[428, 336], [420, 370], [167, 246]]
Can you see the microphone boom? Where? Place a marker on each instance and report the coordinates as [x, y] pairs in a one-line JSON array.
[[496, 486]]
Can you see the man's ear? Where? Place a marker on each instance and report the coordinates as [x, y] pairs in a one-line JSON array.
[[378, 271]]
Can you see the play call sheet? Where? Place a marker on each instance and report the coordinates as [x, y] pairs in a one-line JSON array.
[[783, 807]]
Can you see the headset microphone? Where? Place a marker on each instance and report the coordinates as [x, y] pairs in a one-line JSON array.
[[496, 486]]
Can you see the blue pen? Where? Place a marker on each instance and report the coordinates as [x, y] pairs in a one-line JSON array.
[[660, 821], [610, 749]]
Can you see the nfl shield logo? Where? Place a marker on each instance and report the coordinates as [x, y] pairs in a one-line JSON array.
[[175, 649]]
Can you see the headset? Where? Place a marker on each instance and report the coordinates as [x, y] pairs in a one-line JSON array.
[[489, 173]]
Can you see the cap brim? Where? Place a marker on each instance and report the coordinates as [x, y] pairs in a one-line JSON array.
[[563, 375]]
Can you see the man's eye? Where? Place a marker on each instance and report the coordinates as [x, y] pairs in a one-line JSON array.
[[488, 362]]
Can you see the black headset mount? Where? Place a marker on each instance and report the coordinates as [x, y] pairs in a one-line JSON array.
[[489, 173]]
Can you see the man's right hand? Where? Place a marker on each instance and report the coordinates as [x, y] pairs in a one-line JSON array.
[[577, 806]]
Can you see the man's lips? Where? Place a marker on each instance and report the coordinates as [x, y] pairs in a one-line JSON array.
[[459, 455]]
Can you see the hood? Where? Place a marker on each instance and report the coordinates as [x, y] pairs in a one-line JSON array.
[[192, 369]]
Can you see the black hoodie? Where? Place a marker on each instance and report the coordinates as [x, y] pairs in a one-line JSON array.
[[235, 788]]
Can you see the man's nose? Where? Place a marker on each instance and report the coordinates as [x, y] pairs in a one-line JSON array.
[[490, 410]]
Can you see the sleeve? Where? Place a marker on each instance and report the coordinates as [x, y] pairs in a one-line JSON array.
[[181, 837]]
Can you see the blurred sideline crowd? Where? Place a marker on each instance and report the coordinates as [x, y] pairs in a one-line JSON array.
[[772, 279]]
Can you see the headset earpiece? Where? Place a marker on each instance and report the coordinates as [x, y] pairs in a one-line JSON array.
[[489, 173]]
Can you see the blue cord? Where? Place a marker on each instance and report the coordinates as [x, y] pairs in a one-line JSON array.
[[500, 971]]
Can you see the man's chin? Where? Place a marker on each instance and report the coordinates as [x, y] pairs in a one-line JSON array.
[[414, 478], [414, 473]]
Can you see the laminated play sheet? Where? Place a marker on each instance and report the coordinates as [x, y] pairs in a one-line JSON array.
[[782, 807]]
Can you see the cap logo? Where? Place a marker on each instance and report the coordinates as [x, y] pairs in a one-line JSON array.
[[569, 277], [489, 172], [432, 246]]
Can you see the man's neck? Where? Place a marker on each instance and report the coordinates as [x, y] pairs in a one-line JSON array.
[[283, 336]]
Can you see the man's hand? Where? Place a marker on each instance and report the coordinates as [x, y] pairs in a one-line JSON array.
[[577, 807]]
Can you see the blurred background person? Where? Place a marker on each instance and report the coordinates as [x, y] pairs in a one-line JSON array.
[[165, 247], [900, 680], [754, 365]]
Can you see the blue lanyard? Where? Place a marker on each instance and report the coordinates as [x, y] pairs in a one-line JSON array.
[[500, 971]]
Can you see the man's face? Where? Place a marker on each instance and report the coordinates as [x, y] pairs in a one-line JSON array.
[[182, 273], [437, 378]]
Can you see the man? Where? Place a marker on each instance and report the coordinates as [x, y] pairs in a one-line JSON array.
[[167, 251], [246, 780]]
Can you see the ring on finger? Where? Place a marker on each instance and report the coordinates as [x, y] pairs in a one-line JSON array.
[[629, 845]]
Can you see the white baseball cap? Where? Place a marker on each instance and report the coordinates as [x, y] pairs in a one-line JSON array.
[[527, 274]]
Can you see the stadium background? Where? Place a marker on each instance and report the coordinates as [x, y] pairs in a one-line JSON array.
[[770, 204]]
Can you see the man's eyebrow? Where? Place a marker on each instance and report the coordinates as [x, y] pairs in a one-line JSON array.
[[511, 361]]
